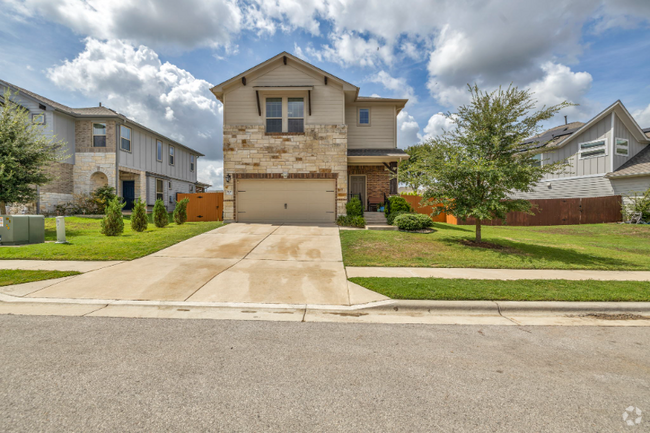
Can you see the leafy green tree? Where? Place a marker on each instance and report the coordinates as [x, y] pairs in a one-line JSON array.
[[113, 221], [25, 154], [353, 207], [180, 211], [473, 169], [160, 216], [139, 220]]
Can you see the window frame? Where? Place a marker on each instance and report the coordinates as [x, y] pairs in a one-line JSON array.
[[171, 155], [105, 135], [296, 118], [129, 139], [159, 150], [37, 116], [192, 163], [267, 117], [538, 157], [582, 151], [359, 117], [160, 194], [626, 146]]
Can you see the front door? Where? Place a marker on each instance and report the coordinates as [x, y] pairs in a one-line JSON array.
[[128, 192], [358, 187]]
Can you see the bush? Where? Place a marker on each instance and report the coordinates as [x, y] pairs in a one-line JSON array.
[[397, 204], [87, 204], [390, 219], [639, 203], [113, 222], [139, 221], [180, 211], [413, 221], [160, 216], [354, 208], [102, 196], [351, 221]]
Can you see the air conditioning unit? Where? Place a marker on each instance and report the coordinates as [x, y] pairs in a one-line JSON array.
[[22, 229]]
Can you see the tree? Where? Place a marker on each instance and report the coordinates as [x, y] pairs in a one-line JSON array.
[[25, 154], [113, 221], [473, 170], [160, 216], [139, 221], [180, 211]]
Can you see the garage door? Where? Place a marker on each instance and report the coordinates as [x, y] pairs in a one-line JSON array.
[[286, 200]]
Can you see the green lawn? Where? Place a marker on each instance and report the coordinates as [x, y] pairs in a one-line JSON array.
[[85, 242], [500, 290], [596, 246], [13, 276]]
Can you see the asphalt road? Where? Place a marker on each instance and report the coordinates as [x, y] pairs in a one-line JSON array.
[[99, 374]]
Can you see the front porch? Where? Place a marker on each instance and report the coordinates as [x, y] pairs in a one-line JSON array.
[[131, 185], [373, 176]]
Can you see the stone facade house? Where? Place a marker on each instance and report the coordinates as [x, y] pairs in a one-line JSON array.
[[299, 142], [608, 155], [104, 147]]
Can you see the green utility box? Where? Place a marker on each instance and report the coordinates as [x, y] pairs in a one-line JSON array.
[[22, 229]]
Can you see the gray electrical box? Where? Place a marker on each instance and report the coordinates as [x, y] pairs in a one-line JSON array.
[[22, 229]]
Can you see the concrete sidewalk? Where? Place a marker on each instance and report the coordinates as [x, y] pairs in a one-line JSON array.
[[497, 274]]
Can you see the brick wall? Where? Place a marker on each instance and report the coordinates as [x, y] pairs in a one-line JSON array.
[[377, 178], [321, 149], [62, 182], [83, 131]]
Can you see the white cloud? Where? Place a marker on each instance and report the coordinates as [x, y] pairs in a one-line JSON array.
[[211, 172], [408, 130], [350, 49], [437, 125], [642, 117], [397, 85], [161, 96], [295, 13]]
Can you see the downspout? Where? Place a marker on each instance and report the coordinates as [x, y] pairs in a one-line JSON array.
[[117, 159]]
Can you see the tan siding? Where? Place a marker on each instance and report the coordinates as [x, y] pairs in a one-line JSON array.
[[380, 133], [621, 131], [570, 188]]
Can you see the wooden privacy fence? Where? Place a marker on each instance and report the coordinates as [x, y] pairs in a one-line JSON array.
[[547, 212], [204, 206]]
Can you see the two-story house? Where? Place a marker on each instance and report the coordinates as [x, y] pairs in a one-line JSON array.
[[104, 147], [298, 142], [608, 155]]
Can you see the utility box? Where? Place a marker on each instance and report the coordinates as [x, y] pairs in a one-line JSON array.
[[22, 229]]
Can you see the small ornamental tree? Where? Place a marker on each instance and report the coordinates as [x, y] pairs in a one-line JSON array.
[[25, 154], [113, 222], [473, 170], [180, 211], [353, 207], [139, 221], [160, 216]]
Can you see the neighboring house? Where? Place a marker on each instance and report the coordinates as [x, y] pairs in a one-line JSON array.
[[298, 142], [104, 147], [609, 155]]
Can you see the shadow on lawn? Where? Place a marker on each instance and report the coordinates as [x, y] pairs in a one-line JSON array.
[[442, 227]]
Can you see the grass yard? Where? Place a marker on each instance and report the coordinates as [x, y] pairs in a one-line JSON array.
[[595, 246], [500, 290], [19, 276], [85, 242]]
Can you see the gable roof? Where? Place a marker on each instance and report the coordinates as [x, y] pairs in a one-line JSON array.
[[638, 165], [91, 112]]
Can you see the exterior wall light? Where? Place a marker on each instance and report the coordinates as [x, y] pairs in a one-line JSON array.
[[228, 177]]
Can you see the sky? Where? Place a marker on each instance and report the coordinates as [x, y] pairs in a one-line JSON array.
[[156, 60]]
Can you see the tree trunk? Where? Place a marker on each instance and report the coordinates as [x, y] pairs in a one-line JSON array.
[[3, 208], [478, 231]]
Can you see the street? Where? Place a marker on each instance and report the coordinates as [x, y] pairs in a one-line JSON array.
[[115, 374]]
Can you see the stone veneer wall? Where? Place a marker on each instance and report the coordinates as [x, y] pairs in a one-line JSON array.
[[88, 163], [377, 178], [83, 132], [321, 149], [62, 179]]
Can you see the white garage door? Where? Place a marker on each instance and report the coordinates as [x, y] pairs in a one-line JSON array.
[[286, 200]]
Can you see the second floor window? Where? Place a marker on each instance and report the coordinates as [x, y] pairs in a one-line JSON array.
[[364, 116], [296, 114], [171, 155], [159, 151], [273, 114], [538, 160], [125, 138], [191, 162], [99, 135]]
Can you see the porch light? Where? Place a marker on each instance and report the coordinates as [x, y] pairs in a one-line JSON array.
[[228, 177], [285, 175]]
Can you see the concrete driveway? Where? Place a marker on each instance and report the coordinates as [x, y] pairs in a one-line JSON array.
[[237, 263]]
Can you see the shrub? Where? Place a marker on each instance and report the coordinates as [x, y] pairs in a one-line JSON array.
[[639, 203], [139, 221], [180, 211], [113, 222], [102, 196], [351, 221], [391, 216], [413, 221], [160, 216], [354, 208], [397, 204], [87, 204]]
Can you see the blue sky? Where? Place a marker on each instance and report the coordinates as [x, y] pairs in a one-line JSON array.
[[155, 61]]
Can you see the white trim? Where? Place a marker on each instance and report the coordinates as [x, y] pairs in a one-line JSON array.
[[573, 177], [616, 146], [611, 157], [162, 150], [604, 147]]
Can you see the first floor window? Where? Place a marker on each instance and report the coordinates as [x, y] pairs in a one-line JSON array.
[[296, 114], [273, 114], [191, 162], [191, 188], [364, 116], [593, 149], [171, 155], [159, 189], [622, 147], [159, 150], [125, 138], [171, 200], [99, 135]]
